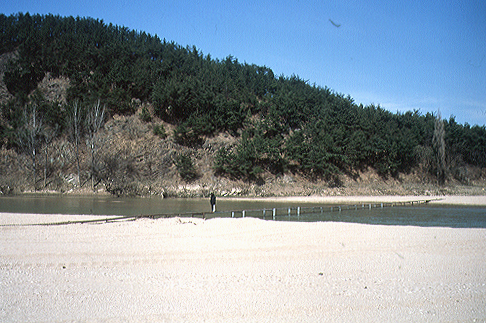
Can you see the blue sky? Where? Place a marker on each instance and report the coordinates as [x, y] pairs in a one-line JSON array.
[[402, 55]]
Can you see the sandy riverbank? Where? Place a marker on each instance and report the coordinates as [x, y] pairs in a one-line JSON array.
[[240, 270], [474, 200]]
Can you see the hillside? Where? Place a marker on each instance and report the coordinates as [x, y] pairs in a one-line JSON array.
[[88, 107]]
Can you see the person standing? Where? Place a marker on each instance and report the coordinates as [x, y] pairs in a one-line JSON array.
[[213, 202]]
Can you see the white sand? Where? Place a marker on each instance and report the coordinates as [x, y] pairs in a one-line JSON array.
[[239, 270], [436, 200]]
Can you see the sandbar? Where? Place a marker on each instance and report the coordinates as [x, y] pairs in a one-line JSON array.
[[239, 270], [464, 200]]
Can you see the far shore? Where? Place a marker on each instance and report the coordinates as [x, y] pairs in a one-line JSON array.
[[453, 200], [475, 200]]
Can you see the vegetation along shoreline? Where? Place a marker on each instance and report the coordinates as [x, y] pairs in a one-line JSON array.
[[88, 107]]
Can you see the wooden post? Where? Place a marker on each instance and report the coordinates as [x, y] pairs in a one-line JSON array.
[[298, 211], [243, 212], [274, 213]]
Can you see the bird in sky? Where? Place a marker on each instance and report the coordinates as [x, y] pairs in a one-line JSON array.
[[335, 24]]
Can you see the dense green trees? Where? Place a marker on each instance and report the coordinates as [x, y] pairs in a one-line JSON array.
[[284, 124]]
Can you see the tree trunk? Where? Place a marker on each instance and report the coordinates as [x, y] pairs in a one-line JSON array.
[[438, 141], [94, 120]]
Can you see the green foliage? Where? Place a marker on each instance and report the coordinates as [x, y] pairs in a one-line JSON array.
[[183, 135], [159, 130], [302, 128], [247, 160], [224, 163], [315, 153], [466, 141], [185, 167], [241, 162], [145, 115]]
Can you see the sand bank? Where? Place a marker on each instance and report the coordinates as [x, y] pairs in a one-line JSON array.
[[240, 270], [478, 200]]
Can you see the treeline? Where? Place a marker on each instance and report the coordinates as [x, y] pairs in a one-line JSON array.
[[284, 123]]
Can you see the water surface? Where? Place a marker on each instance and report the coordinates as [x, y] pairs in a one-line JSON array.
[[422, 215]]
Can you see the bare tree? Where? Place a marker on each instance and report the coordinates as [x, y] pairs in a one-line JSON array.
[[94, 121], [49, 134], [29, 136], [75, 126], [438, 142]]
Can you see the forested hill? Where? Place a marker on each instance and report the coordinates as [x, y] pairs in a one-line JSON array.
[[283, 124]]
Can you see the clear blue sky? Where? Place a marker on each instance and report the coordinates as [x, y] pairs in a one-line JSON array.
[[402, 55]]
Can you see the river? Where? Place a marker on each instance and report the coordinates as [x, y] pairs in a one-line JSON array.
[[422, 215]]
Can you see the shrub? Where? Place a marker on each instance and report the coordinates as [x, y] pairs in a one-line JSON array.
[[145, 115], [159, 130], [185, 166], [183, 135]]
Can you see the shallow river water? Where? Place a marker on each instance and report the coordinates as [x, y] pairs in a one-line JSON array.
[[422, 215]]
